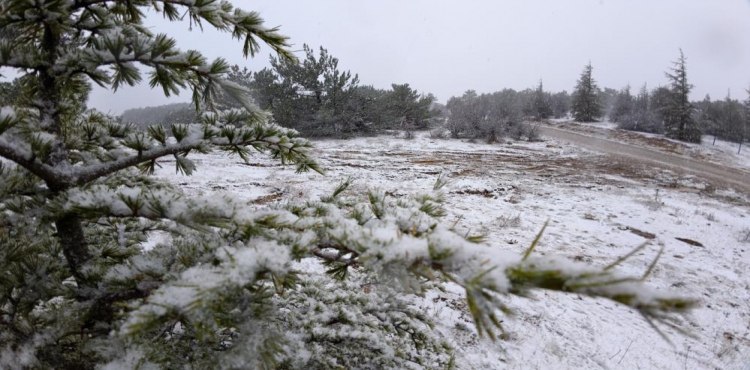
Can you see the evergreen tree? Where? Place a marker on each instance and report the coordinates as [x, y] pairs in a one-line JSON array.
[[319, 100], [642, 102], [264, 88], [723, 119], [406, 108], [731, 119], [466, 114], [585, 104], [77, 201], [542, 103], [607, 98], [504, 107], [642, 116], [490, 116], [659, 102], [368, 105], [746, 120], [622, 106], [708, 117], [678, 113], [505, 115], [560, 104], [311, 96]]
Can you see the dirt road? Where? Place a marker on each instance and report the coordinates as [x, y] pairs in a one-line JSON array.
[[731, 177]]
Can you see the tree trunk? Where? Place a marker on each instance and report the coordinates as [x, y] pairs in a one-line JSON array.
[[69, 227], [74, 246]]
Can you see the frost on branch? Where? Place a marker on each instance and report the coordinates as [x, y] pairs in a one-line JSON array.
[[391, 247]]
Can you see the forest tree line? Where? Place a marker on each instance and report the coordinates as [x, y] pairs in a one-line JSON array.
[[318, 99], [314, 97]]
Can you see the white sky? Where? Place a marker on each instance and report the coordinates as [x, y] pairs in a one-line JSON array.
[[447, 47]]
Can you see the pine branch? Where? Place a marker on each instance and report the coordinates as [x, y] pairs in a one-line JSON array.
[[223, 17], [262, 138], [25, 160], [86, 174], [79, 4]]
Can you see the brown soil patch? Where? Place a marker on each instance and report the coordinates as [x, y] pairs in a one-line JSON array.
[[690, 241], [355, 165], [485, 193], [463, 172], [430, 161], [641, 233], [268, 198], [255, 164]]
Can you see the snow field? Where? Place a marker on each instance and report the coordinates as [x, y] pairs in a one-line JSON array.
[[507, 191]]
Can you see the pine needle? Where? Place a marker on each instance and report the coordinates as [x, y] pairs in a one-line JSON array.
[[656, 329], [625, 257], [535, 242], [653, 264]]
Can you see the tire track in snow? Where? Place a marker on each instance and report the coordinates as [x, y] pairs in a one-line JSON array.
[[731, 177]]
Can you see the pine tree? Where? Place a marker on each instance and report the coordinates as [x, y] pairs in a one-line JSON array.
[[560, 104], [368, 107], [678, 113], [643, 115], [732, 116], [505, 108], [585, 105], [406, 108], [489, 116], [466, 114], [607, 98], [745, 121], [622, 106], [731, 119], [311, 96], [78, 291], [542, 103], [708, 117]]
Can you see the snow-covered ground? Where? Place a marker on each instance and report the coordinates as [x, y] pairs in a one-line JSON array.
[[598, 209]]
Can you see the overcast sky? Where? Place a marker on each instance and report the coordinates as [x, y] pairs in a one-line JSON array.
[[448, 47]]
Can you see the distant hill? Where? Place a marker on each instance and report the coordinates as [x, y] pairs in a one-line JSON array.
[[162, 114]]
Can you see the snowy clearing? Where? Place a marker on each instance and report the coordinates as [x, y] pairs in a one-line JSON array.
[[599, 208]]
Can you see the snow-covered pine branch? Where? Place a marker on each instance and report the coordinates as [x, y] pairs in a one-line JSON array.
[[395, 240], [232, 131]]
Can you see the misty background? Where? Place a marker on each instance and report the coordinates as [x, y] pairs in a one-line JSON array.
[[448, 47]]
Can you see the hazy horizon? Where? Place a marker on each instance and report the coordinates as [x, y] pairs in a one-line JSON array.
[[446, 48]]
